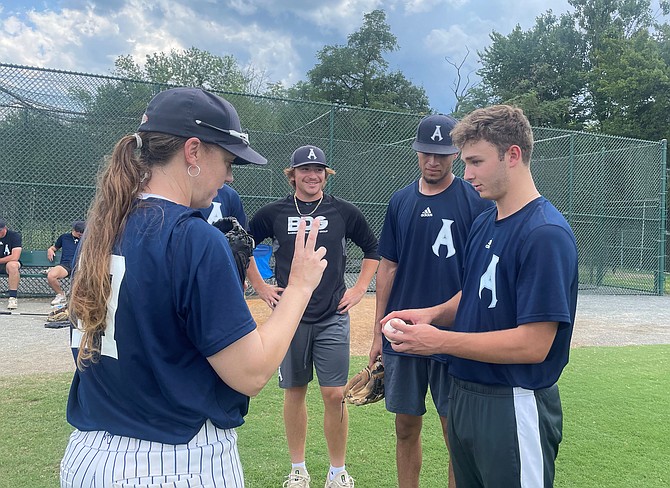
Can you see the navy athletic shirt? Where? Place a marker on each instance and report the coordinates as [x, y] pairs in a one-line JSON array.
[[426, 236], [226, 203], [68, 245], [519, 270], [176, 299]]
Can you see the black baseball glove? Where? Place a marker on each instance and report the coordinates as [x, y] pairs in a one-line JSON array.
[[240, 241], [367, 386]]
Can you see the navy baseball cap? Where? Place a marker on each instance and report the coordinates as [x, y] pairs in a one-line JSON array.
[[193, 112], [308, 155], [432, 135], [3, 224]]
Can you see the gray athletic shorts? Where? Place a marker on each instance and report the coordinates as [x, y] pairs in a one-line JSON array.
[[504, 437], [324, 346], [406, 380]]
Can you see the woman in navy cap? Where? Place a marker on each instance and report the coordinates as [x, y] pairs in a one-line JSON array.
[[167, 351]]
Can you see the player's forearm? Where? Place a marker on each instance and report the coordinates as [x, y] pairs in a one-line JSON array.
[[526, 344], [445, 313], [14, 256], [385, 277], [368, 269], [253, 275]]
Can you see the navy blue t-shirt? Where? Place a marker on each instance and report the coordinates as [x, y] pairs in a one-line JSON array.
[[426, 236], [226, 203], [519, 270], [176, 300], [68, 243]]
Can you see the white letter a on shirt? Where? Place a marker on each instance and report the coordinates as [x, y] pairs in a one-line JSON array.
[[488, 280]]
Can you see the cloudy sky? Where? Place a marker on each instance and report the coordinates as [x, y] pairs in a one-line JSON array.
[[279, 36]]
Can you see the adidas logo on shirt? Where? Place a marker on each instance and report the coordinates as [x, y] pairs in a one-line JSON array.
[[427, 213]]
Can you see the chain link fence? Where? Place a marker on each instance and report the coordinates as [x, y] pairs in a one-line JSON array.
[[56, 128]]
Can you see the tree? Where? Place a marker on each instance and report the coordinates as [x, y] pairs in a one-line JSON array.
[[193, 67], [462, 82], [357, 73], [604, 67], [542, 70]]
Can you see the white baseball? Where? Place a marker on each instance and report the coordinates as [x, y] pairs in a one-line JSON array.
[[388, 327]]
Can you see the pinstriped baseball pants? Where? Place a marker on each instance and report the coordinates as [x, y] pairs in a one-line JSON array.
[[98, 459]]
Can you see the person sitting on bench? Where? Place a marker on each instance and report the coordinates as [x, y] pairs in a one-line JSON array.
[[10, 252], [68, 243]]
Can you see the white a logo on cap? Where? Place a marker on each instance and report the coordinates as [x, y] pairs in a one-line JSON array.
[[311, 154], [437, 135]]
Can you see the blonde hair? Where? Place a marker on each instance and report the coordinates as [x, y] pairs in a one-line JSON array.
[[290, 175], [501, 125], [119, 183]]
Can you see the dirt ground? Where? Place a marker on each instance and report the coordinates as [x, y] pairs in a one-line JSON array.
[[362, 317], [26, 347]]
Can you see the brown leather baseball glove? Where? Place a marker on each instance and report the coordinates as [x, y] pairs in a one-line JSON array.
[[367, 386]]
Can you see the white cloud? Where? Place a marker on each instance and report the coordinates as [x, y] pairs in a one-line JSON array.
[[421, 6]]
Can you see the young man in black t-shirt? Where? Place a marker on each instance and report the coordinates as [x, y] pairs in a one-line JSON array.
[[322, 339]]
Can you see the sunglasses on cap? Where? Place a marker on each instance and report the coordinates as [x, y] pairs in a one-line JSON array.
[[244, 137]]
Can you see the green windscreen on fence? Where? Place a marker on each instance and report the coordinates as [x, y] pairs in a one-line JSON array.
[[56, 128]]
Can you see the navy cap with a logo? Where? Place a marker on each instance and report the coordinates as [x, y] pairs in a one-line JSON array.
[[432, 135], [308, 155], [193, 112]]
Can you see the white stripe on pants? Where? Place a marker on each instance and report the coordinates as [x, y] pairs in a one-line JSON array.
[[98, 459], [528, 433]]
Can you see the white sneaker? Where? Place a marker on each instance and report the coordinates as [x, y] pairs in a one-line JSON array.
[[60, 298], [341, 480], [13, 303], [299, 478]]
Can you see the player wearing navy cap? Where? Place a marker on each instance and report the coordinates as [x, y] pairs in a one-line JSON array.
[[422, 247], [68, 242], [322, 339], [510, 329], [166, 349]]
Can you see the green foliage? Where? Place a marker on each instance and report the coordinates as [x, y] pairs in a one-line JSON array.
[[541, 70], [615, 428], [192, 67], [357, 73], [603, 67]]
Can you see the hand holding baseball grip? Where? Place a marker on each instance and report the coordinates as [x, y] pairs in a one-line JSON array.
[[308, 263]]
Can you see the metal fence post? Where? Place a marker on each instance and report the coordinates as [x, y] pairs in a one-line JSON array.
[[660, 281]]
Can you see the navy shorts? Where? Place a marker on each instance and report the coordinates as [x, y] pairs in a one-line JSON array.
[[406, 380], [323, 346]]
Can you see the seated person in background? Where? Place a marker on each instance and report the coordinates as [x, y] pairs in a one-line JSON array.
[[10, 253], [68, 243]]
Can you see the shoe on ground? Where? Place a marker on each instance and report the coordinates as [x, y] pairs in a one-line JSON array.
[[57, 325], [299, 478], [60, 298], [12, 304], [341, 480]]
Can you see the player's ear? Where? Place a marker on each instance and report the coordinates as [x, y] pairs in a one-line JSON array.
[[515, 155], [192, 148]]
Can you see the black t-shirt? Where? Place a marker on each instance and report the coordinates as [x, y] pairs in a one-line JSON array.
[[340, 221], [10, 241]]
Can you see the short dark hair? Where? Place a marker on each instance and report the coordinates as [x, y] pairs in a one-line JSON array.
[[79, 226]]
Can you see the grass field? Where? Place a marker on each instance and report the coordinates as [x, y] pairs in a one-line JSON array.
[[616, 429]]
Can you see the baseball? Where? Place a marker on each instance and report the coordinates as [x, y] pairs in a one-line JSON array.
[[388, 327]]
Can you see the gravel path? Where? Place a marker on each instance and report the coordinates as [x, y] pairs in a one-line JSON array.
[[26, 347]]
